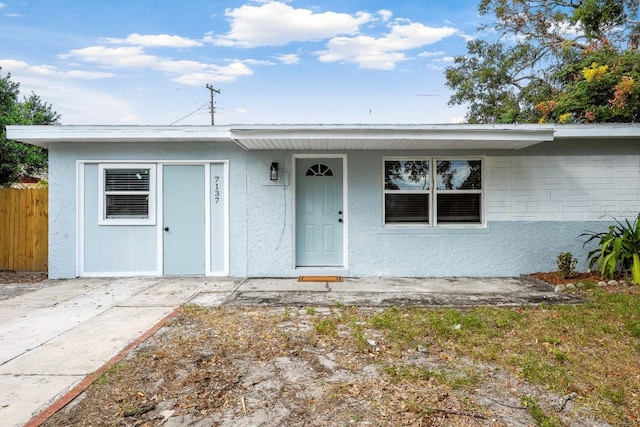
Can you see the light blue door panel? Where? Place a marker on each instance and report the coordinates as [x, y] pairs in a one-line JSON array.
[[319, 205], [184, 219], [328, 207], [309, 233], [329, 235]]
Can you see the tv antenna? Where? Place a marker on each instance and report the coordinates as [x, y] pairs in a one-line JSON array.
[[213, 105]]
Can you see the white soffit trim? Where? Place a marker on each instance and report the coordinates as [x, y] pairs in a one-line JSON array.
[[46, 135], [390, 137]]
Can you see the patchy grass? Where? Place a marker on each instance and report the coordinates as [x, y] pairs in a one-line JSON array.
[[542, 419], [396, 366], [591, 349], [115, 372]]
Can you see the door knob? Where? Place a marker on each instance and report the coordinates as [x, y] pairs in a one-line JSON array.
[[340, 220], [166, 229], [339, 212]]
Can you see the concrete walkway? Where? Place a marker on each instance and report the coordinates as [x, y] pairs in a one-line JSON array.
[[53, 337]]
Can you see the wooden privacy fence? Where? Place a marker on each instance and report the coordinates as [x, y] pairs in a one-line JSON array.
[[23, 229]]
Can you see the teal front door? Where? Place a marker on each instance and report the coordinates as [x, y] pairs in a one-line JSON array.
[[183, 214], [319, 212]]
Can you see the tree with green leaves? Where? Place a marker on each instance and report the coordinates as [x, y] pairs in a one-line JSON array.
[[18, 159], [552, 60]]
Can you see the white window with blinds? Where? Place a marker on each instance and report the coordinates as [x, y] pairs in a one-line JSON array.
[[127, 194], [407, 191], [431, 192]]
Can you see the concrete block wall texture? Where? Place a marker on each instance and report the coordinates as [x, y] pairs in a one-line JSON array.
[[536, 206], [563, 188]]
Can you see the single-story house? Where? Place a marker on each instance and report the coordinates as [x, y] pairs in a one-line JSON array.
[[350, 200]]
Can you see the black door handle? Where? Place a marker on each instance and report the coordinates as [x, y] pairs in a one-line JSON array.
[[166, 229], [340, 220]]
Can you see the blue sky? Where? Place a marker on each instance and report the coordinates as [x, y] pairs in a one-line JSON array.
[[307, 61]]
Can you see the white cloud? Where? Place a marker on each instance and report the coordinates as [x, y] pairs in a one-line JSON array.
[[157, 40], [385, 14], [189, 72], [277, 24], [289, 59], [361, 50], [130, 119], [384, 52], [214, 73], [69, 95], [254, 61], [415, 35], [118, 56], [33, 71], [12, 65], [2, 5], [426, 54], [87, 75]]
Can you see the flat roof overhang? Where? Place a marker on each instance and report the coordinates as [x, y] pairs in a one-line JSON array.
[[44, 136], [332, 137], [389, 137]]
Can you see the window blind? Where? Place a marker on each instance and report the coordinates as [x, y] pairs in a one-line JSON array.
[[402, 207]]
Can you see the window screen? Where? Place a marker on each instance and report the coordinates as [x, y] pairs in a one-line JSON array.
[[127, 194]]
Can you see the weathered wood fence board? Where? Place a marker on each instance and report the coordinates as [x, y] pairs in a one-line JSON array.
[[23, 229]]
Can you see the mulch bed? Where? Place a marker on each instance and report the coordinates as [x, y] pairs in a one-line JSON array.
[[554, 278]]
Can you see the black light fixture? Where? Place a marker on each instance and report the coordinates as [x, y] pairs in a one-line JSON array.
[[273, 174]]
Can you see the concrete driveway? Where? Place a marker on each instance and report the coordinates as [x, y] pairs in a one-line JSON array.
[[59, 335]]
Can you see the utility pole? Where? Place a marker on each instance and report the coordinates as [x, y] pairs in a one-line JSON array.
[[213, 106]]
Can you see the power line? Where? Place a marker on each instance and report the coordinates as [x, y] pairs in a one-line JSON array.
[[191, 113]]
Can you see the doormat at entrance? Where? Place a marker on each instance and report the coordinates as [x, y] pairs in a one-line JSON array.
[[320, 279]]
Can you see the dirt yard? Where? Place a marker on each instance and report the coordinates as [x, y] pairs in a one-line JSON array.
[[252, 366]]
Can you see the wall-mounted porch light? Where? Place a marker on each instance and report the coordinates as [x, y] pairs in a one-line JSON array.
[[273, 174]]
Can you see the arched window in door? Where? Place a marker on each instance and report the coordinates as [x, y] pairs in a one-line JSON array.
[[319, 169]]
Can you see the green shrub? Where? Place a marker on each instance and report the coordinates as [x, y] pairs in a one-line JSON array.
[[566, 264], [618, 249]]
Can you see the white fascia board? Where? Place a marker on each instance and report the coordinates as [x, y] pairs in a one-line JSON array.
[[357, 137], [598, 131], [440, 132], [46, 135]]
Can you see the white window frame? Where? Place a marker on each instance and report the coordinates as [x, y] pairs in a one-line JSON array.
[[102, 219], [436, 192], [428, 193], [433, 193]]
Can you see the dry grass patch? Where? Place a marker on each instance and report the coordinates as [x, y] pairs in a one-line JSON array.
[[549, 365]]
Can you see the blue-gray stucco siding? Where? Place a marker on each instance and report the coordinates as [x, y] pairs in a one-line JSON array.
[[537, 202]]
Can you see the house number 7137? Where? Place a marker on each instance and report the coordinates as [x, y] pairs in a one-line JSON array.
[[216, 192]]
